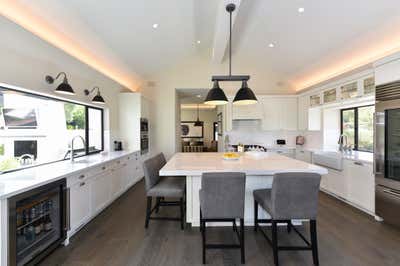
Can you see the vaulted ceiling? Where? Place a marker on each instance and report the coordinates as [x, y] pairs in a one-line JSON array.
[[120, 38]]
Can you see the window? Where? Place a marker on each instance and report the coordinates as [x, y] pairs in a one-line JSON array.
[[357, 125], [315, 100], [35, 129]]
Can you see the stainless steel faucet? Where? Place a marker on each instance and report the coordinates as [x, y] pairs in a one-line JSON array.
[[342, 142], [72, 145]]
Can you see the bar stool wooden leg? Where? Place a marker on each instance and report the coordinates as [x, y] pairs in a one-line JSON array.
[[148, 211], [314, 240], [158, 200], [275, 242]]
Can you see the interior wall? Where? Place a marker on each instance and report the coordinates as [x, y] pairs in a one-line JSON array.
[[196, 72], [207, 116], [26, 60]]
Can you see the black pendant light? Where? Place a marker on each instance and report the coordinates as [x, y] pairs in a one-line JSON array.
[[96, 99], [245, 95], [64, 87], [198, 123], [216, 95]]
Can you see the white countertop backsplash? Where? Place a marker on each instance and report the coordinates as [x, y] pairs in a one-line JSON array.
[[20, 181]]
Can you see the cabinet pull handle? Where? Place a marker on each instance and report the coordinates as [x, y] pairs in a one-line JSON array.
[[359, 163], [103, 168], [82, 184], [124, 164], [81, 176]]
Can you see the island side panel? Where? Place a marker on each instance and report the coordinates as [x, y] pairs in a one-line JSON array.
[[3, 232], [193, 186]]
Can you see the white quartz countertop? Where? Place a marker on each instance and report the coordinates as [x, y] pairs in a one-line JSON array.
[[194, 164], [16, 182]]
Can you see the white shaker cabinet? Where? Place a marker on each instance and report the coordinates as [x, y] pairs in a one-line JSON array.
[[101, 191], [303, 106], [280, 113], [337, 183], [245, 112], [79, 204], [387, 71], [361, 184]]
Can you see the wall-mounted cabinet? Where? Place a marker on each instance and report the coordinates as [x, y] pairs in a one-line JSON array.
[[315, 100], [302, 114], [349, 90], [330, 96], [279, 113], [246, 112]]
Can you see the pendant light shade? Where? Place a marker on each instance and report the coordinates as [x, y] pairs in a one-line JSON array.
[[216, 96], [198, 123], [64, 87], [245, 95], [96, 99]]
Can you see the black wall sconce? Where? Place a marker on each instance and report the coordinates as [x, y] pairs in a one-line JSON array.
[[96, 99], [64, 87]]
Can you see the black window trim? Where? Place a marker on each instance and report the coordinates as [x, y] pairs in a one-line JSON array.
[[355, 125], [87, 106]]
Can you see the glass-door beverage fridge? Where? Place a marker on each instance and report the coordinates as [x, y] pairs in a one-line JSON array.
[[37, 223]]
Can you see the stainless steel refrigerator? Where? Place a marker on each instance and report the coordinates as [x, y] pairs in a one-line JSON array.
[[387, 152]]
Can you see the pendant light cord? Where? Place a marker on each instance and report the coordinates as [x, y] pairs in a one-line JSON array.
[[230, 43]]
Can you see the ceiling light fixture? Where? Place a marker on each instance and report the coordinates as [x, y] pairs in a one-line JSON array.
[[64, 87], [96, 99], [271, 45], [198, 42], [301, 9], [198, 123], [155, 25], [216, 95]]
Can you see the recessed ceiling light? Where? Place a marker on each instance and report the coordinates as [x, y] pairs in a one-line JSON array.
[[198, 42], [155, 25], [271, 45], [301, 9]]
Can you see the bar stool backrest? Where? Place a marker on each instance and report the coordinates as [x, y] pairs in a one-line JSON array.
[[222, 195], [151, 169], [295, 195]]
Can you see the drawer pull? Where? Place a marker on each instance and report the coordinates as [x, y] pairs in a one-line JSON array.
[[82, 184], [81, 176], [359, 163], [124, 164], [118, 161], [103, 168]]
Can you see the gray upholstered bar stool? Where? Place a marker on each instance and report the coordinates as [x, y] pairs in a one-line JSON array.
[[161, 188], [293, 196], [222, 200]]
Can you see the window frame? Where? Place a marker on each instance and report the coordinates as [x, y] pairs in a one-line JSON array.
[[55, 98], [355, 109]]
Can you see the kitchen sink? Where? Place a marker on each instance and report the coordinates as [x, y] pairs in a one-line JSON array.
[[330, 159]]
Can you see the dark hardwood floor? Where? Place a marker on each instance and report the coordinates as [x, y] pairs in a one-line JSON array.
[[117, 237]]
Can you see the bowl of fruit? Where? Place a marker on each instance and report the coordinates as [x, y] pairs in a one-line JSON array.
[[230, 156]]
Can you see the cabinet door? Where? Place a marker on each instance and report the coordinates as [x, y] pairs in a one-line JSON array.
[[272, 114], [303, 155], [361, 185], [289, 113], [79, 204], [101, 191], [337, 183], [303, 105], [117, 181], [253, 111]]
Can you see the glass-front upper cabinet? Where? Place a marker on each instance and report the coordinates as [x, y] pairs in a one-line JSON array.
[[315, 100], [330, 96], [369, 85], [349, 90]]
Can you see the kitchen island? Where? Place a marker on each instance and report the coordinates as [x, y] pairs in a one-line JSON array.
[[259, 172]]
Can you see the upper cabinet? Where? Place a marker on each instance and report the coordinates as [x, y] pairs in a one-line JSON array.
[[349, 90], [302, 114], [330, 96], [369, 86], [315, 99], [246, 112], [387, 70], [279, 113]]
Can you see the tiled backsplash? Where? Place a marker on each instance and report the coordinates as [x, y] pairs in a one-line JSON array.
[[250, 132]]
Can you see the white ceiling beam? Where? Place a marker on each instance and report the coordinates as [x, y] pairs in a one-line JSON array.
[[221, 34]]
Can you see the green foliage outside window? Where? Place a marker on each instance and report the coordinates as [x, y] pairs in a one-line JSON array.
[[74, 116]]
